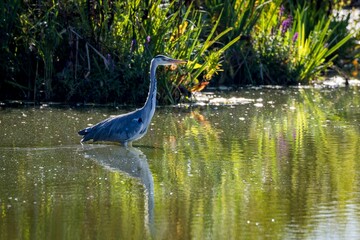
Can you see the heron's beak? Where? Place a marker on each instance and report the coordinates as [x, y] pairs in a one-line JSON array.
[[178, 61]]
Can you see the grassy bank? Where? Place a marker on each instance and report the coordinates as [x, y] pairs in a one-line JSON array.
[[99, 51]]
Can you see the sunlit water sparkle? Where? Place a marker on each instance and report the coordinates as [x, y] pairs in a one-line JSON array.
[[259, 163]]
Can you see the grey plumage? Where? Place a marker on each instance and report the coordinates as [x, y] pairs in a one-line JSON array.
[[131, 126]]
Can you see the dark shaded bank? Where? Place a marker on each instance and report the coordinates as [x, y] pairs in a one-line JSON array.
[[86, 51]]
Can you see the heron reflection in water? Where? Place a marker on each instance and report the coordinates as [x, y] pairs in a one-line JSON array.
[[131, 161], [131, 126]]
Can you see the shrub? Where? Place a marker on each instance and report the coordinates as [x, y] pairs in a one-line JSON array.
[[300, 46], [100, 51]]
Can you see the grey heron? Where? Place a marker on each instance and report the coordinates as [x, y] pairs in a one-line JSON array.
[[131, 126]]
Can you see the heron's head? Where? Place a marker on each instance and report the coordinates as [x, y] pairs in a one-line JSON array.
[[164, 60]]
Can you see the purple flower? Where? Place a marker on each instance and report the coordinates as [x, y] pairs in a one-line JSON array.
[[148, 39], [282, 10], [133, 45], [295, 37], [286, 24]]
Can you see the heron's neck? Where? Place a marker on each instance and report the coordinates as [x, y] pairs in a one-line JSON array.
[[150, 103]]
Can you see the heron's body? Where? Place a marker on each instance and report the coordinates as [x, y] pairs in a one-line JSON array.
[[131, 126]]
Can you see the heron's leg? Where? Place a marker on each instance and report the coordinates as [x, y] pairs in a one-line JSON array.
[[127, 144]]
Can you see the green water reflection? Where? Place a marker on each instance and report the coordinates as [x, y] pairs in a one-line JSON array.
[[283, 165]]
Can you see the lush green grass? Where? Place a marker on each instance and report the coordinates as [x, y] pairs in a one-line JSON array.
[[302, 44], [99, 51]]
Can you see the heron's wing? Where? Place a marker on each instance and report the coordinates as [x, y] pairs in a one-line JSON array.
[[121, 128]]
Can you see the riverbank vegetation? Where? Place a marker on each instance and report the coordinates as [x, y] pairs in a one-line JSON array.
[[99, 51]]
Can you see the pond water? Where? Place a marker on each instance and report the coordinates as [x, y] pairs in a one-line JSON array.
[[258, 163]]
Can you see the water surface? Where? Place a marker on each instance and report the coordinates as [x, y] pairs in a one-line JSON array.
[[259, 163]]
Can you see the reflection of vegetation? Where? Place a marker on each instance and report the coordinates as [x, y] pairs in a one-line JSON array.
[[260, 175], [219, 172], [52, 193]]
